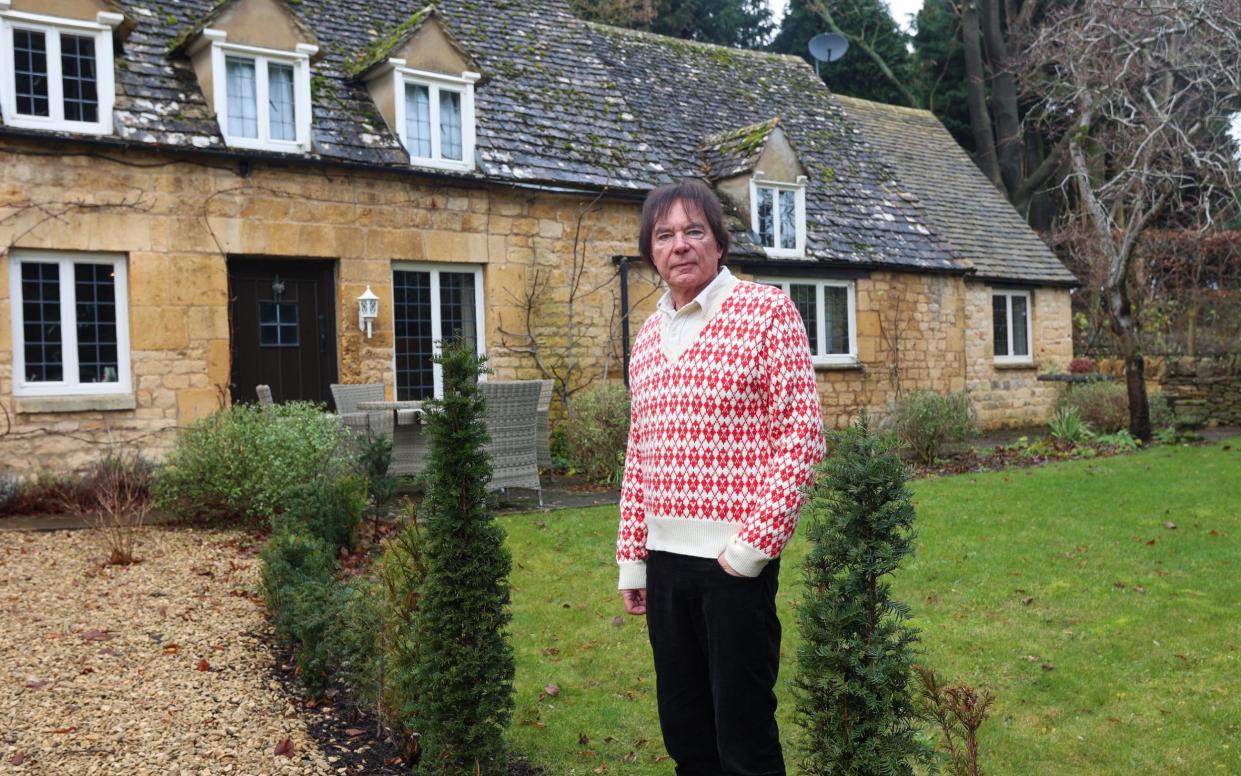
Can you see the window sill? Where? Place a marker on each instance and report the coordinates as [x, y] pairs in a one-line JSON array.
[[28, 405], [1014, 365], [838, 366]]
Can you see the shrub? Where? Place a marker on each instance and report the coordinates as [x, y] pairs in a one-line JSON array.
[[329, 510], [959, 711], [924, 420], [1067, 425], [301, 595], [596, 432], [237, 463], [1102, 405], [1081, 366], [1161, 412], [9, 488], [854, 665], [121, 486], [464, 664]]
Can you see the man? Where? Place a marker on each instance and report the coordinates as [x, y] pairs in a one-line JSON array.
[[725, 433]]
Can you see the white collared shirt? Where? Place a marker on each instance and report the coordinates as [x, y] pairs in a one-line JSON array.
[[681, 327]]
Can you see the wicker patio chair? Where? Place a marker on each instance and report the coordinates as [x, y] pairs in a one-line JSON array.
[[512, 423], [264, 394], [347, 397], [545, 404]]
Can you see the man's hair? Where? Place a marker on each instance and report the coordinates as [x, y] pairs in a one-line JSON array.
[[693, 195]]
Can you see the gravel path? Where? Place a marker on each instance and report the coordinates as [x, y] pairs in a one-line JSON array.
[[164, 667]]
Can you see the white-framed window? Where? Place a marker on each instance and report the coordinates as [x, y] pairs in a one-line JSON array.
[[70, 323], [829, 310], [429, 303], [778, 216], [56, 73], [1011, 327], [262, 96], [435, 117]]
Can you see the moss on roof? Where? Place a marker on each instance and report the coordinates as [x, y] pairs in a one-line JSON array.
[[378, 51]]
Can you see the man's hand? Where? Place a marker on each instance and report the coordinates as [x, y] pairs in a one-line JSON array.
[[635, 600], [729, 570]]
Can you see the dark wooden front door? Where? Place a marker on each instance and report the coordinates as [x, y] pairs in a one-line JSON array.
[[283, 326]]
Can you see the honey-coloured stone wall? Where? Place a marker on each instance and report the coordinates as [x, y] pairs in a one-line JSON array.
[[178, 220], [1011, 396]]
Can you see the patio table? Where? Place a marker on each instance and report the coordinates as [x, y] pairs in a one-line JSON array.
[[409, 444]]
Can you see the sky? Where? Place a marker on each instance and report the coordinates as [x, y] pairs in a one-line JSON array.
[[901, 9]]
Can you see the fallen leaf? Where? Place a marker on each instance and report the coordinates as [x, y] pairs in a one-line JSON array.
[[551, 651], [18, 758], [1213, 532], [203, 665], [552, 689], [631, 757], [172, 649], [1151, 543], [662, 757], [1048, 667], [589, 754], [1028, 600], [284, 748], [583, 740], [1114, 720], [609, 740], [86, 670], [35, 683], [331, 693], [537, 725], [539, 524], [97, 635], [618, 621], [1118, 585], [354, 732], [64, 730], [1170, 526], [602, 767], [1183, 658], [1139, 589]]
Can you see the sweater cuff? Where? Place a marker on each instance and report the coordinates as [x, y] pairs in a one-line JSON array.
[[745, 560], [632, 575]]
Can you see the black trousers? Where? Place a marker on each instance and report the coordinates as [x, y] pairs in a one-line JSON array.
[[716, 642]]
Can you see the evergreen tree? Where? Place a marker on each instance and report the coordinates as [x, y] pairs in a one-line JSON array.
[[738, 23], [939, 59], [867, 24], [464, 666], [854, 666]]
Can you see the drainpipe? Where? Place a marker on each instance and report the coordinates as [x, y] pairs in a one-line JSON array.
[[622, 264]]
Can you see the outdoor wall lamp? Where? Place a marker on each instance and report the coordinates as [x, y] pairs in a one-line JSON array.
[[368, 310]]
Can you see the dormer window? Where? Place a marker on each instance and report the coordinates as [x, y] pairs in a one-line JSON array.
[[56, 73], [261, 96], [436, 118], [778, 215]]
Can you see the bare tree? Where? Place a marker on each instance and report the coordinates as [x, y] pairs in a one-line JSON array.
[[1146, 86]]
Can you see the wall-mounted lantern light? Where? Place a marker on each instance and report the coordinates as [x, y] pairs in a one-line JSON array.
[[368, 310]]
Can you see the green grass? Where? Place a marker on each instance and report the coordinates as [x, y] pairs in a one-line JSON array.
[[1140, 682]]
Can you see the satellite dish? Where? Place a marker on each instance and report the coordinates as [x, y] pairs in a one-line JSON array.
[[827, 47]]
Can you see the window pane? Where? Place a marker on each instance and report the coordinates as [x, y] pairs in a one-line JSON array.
[[803, 297], [278, 324], [836, 309], [788, 219], [280, 101], [77, 65], [41, 322], [30, 72], [765, 225], [243, 106], [450, 124], [1021, 344], [411, 314], [418, 120], [93, 287], [999, 323], [458, 313]]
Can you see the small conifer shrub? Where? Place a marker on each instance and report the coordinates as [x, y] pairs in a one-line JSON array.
[[464, 664], [854, 666]]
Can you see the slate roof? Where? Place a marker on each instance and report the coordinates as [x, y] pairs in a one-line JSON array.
[[566, 103], [960, 203], [735, 152]]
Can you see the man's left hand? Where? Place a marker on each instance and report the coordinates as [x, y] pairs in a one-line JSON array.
[[729, 570]]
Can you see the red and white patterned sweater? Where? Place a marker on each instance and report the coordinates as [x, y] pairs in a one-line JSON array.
[[723, 442]]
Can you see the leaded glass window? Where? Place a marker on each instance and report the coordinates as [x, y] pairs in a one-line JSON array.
[[281, 102], [30, 72], [429, 305], [243, 110], [450, 124], [418, 120], [77, 67], [41, 332], [278, 324]]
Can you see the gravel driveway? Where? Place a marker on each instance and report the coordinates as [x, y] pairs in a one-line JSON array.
[[160, 668]]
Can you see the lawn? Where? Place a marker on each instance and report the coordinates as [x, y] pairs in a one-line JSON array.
[[1109, 637]]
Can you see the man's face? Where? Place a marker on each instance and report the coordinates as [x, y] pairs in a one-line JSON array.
[[685, 252]]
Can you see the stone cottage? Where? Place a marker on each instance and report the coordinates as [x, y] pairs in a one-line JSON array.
[[194, 196]]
